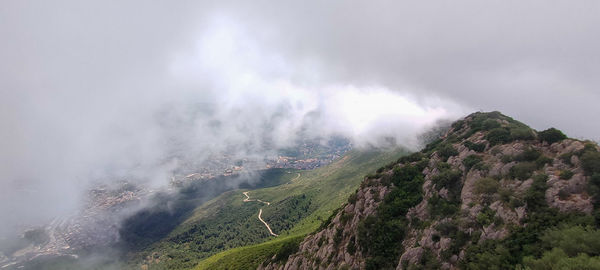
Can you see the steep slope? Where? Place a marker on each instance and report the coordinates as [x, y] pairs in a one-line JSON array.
[[297, 205], [326, 189], [490, 194]]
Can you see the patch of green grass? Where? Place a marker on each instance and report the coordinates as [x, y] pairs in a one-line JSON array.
[[248, 257], [326, 189]]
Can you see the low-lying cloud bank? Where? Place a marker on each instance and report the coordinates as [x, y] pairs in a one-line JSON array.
[[132, 90], [224, 93]]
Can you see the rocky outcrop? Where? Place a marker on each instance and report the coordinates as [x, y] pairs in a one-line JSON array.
[[328, 248], [490, 175]]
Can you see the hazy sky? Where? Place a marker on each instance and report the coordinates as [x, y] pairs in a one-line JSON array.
[[95, 90]]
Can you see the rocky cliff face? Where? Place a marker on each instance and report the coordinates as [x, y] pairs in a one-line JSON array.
[[482, 183]]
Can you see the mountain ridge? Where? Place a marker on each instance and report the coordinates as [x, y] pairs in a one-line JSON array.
[[487, 195]]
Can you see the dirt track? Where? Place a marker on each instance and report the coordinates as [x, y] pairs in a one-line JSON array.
[[260, 212]]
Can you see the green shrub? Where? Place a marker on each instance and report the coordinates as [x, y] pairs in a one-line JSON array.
[[337, 237], [471, 161], [515, 203], [489, 255], [572, 247], [535, 196], [486, 185], [506, 158], [421, 165], [477, 147], [551, 135], [523, 170], [543, 160], [321, 240], [432, 145], [482, 167], [449, 179], [405, 174], [489, 124], [447, 228], [588, 146], [529, 154], [458, 124], [558, 259], [563, 194], [345, 217], [573, 240], [439, 207], [590, 161], [505, 195], [428, 261], [484, 121], [566, 174], [380, 236], [286, 250], [443, 166], [447, 151], [486, 216], [414, 157], [36, 236], [522, 133], [351, 246], [595, 179], [498, 136], [352, 198], [566, 158]]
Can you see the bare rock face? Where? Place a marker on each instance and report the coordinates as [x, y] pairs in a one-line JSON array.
[[505, 213], [499, 168], [411, 256], [467, 195], [327, 249], [569, 195], [482, 204]]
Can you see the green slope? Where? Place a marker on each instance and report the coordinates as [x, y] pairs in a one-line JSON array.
[[297, 207]]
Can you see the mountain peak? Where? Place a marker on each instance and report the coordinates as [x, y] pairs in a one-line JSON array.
[[479, 197]]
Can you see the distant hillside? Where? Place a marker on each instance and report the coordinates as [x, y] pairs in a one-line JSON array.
[[299, 201], [492, 193]]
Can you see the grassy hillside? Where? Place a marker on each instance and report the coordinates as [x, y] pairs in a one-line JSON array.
[[326, 188], [297, 207], [249, 257], [167, 212]]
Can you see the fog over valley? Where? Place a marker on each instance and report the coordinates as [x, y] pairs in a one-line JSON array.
[[110, 108]]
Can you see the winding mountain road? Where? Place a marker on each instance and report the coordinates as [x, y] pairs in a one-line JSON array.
[[260, 212], [266, 225]]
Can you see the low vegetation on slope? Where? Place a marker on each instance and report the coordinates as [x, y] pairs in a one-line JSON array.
[[299, 202], [326, 188], [490, 194]]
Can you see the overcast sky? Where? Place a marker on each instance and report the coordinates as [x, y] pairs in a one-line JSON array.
[[109, 89]]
